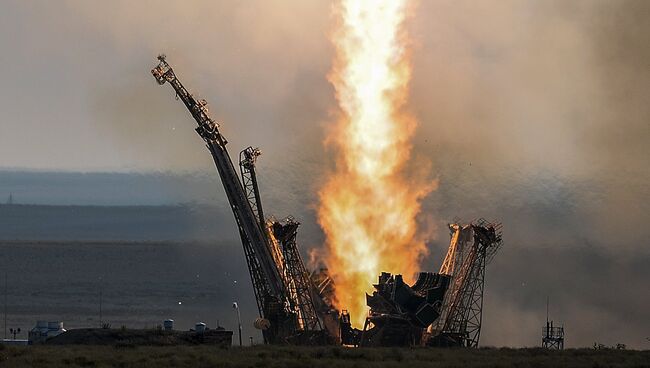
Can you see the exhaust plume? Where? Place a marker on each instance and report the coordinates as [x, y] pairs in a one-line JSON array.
[[368, 205]]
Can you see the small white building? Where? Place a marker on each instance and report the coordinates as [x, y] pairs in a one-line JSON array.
[[200, 327], [44, 330], [168, 325]]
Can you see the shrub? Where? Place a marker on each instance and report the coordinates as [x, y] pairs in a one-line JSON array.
[[84, 362]]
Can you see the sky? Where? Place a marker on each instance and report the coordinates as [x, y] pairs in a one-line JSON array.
[[531, 112]]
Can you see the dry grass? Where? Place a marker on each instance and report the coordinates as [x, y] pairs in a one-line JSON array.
[[312, 357]]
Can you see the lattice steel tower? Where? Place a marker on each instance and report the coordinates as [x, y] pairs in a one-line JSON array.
[[472, 246]]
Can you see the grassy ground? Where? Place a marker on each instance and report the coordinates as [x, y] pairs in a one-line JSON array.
[[312, 357]]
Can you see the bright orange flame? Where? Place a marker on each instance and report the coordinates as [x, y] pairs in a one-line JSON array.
[[368, 206]]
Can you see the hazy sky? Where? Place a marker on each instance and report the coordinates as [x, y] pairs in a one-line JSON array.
[[533, 112], [516, 89], [555, 85]]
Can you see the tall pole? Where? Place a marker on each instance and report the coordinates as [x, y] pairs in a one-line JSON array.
[[239, 320], [100, 309], [236, 306], [101, 287], [5, 305], [549, 330]]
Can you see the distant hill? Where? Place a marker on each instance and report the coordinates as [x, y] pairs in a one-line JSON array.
[[110, 189], [115, 223], [133, 206]]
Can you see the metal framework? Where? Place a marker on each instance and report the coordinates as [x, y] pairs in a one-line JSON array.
[[299, 283], [291, 306], [552, 337], [279, 278], [208, 129], [247, 159], [471, 248]]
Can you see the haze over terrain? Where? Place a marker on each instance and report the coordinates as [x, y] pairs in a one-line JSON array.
[[533, 113]]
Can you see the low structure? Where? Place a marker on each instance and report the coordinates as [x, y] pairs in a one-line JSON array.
[[45, 330], [552, 337], [132, 337]]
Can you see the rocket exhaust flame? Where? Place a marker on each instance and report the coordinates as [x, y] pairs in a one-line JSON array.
[[368, 205]]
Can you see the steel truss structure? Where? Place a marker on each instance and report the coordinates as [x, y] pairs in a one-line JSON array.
[[552, 337], [281, 284], [472, 247], [299, 283]]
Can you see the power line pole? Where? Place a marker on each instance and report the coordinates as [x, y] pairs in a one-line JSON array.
[[101, 287], [5, 305], [101, 324]]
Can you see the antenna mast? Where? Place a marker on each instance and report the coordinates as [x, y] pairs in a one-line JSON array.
[[552, 337]]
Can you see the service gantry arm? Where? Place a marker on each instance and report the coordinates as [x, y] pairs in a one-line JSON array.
[[471, 247], [448, 264], [266, 277], [247, 159], [282, 237]]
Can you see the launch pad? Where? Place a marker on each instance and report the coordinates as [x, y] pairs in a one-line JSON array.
[[295, 307]]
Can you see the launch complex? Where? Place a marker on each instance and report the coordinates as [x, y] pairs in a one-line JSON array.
[[296, 305]]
